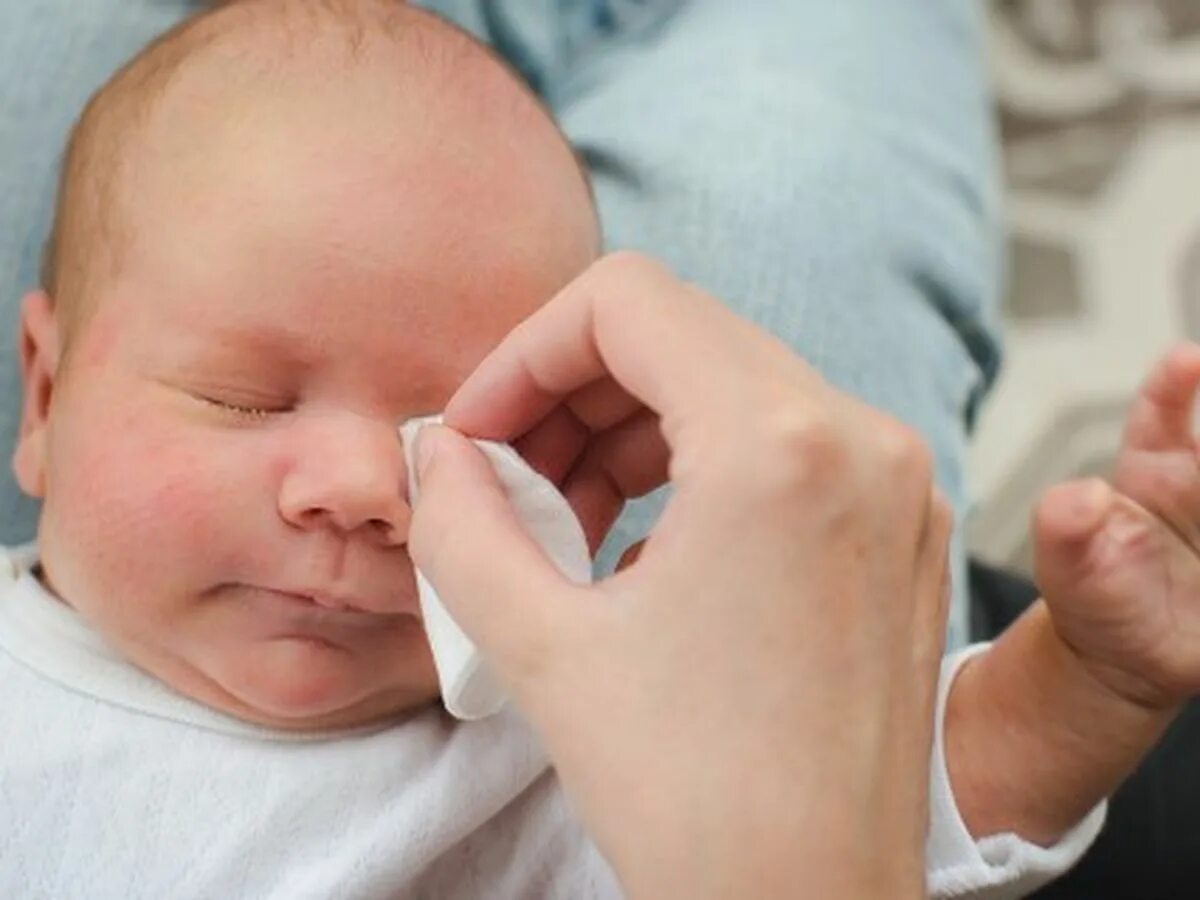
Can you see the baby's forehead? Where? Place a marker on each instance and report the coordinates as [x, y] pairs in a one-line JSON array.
[[235, 83], [225, 81]]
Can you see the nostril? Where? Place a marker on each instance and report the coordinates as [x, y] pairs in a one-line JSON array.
[[311, 518], [382, 527]]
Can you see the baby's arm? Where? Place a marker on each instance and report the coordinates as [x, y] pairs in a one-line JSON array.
[[1061, 709]]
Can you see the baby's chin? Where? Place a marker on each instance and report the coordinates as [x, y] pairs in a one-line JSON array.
[[301, 684]]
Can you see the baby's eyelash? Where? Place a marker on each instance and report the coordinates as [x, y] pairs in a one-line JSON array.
[[253, 412]]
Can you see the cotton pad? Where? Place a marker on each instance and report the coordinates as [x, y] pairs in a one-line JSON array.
[[469, 689]]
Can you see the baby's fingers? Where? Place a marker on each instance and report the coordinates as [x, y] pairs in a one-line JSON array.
[[1161, 417], [1068, 518]]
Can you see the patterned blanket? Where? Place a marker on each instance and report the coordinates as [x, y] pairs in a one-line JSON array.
[[1099, 106]]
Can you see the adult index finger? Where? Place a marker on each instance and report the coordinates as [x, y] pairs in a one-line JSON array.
[[627, 318]]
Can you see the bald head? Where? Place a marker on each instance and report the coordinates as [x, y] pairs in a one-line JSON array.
[[232, 83]]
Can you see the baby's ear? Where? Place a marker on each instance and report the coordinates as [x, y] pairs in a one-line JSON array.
[[39, 364]]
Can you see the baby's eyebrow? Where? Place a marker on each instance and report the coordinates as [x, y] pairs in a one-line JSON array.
[[228, 351], [273, 342]]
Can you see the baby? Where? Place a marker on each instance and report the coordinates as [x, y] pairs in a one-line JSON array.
[[284, 228]]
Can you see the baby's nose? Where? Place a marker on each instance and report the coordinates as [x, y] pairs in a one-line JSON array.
[[349, 476]]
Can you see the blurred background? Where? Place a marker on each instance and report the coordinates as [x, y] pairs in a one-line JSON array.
[[1099, 105]]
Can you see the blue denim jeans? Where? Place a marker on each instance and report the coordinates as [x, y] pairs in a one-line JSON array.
[[825, 168]]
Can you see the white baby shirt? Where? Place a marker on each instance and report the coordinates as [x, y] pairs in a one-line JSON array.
[[114, 786]]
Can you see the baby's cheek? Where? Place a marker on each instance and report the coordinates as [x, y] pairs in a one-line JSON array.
[[146, 495], [197, 501], [139, 485]]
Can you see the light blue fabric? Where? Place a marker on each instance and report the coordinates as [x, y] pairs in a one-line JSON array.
[[826, 168]]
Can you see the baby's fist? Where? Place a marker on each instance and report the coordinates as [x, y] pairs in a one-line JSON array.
[[1119, 566]]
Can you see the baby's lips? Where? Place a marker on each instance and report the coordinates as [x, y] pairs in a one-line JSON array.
[[392, 601]]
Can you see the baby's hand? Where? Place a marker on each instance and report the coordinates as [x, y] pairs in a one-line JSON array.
[[1119, 565]]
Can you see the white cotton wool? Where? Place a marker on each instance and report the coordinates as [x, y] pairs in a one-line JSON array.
[[469, 688]]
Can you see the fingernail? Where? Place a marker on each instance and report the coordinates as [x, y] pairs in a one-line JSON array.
[[427, 439]]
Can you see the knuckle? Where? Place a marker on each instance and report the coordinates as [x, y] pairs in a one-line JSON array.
[[626, 264], [797, 449], [904, 452], [623, 277], [942, 512]]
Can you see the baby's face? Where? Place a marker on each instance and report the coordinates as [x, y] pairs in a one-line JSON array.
[[224, 485]]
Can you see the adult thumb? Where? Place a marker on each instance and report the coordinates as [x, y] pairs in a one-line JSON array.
[[468, 542]]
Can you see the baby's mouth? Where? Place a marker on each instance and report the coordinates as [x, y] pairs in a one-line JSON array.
[[313, 611], [328, 601]]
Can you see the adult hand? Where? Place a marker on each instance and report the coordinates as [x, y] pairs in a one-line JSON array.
[[746, 710]]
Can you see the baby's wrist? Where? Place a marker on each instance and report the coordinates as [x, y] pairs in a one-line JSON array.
[[1115, 684], [1096, 697], [1034, 739], [1123, 688]]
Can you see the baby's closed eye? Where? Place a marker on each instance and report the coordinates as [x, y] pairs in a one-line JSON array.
[[255, 412]]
